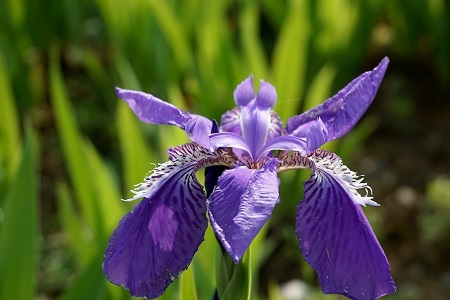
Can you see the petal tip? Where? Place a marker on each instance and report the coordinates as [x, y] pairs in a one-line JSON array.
[[244, 92], [267, 95]]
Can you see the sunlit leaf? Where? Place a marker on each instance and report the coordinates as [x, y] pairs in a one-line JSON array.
[[10, 144], [19, 247]]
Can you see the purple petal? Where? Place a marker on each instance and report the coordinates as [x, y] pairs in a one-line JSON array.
[[231, 122], [286, 142], [244, 92], [255, 122], [241, 204], [267, 95], [228, 139], [338, 242], [315, 132], [341, 112], [153, 110], [198, 130], [155, 242]]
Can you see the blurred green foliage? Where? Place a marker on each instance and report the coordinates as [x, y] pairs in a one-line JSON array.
[[61, 182]]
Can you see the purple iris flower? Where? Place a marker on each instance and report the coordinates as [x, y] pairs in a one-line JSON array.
[[156, 241]]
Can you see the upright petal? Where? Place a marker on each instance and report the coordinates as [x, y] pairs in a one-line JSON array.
[[341, 112], [155, 242], [244, 92], [336, 239], [231, 122], [152, 110], [241, 204]]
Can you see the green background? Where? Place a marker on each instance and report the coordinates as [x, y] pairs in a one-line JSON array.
[[70, 150]]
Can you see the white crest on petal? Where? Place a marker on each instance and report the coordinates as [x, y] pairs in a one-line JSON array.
[[350, 180], [185, 158]]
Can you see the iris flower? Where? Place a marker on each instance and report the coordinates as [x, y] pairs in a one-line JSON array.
[[157, 240]]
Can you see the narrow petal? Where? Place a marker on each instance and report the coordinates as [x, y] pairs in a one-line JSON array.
[[152, 110], [286, 142], [244, 92], [241, 204], [337, 241], [341, 112], [228, 139], [255, 122], [155, 242]]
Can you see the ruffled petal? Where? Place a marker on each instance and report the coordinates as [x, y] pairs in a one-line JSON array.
[[336, 239], [152, 110], [244, 92], [341, 112], [155, 242], [241, 204], [185, 158]]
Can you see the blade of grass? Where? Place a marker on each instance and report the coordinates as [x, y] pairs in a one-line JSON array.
[[10, 143], [187, 285], [71, 142], [241, 280], [251, 41], [107, 195], [72, 228], [290, 57], [19, 247]]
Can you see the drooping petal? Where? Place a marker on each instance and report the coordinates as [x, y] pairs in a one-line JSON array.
[[155, 242], [185, 158], [341, 112], [244, 92], [336, 239], [152, 110], [241, 204]]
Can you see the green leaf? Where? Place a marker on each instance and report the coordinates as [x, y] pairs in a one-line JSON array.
[[72, 228], [10, 143], [71, 142], [290, 57], [187, 285], [320, 89], [91, 284], [223, 271], [19, 247], [239, 286]]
